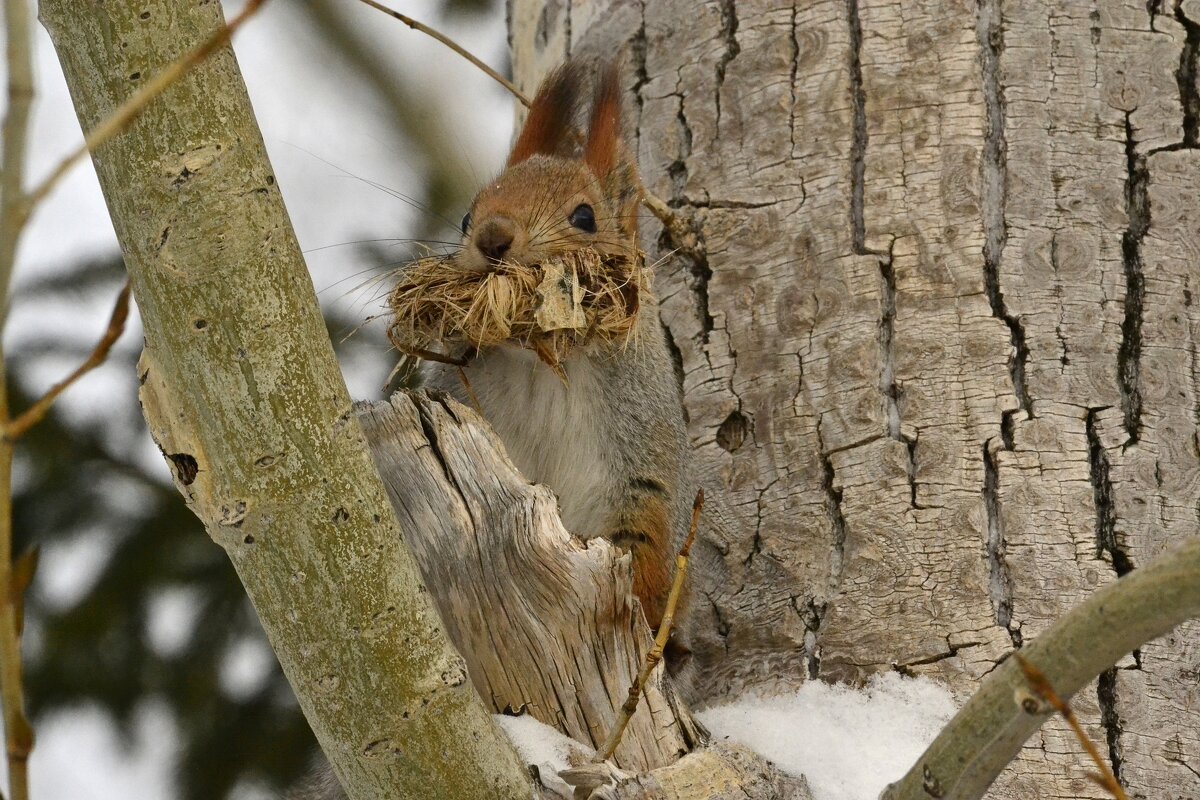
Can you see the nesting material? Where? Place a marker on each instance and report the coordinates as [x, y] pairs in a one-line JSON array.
[[573, 299]]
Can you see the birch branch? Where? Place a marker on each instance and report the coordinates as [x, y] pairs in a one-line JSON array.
[[990, 729], [242, 393]]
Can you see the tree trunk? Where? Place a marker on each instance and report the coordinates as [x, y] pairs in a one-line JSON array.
[[243, 395], [940, 339]]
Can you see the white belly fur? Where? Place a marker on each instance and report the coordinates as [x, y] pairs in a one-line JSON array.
[[556, 434]]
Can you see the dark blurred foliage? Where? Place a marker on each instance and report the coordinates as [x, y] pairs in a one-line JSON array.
[[74, 483]]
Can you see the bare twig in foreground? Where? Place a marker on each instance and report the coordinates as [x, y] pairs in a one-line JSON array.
[[34, 414], [17, 24], [681, 234], [660, 641], [128, 111], [453, 45], [18, 735], [1045, 692]]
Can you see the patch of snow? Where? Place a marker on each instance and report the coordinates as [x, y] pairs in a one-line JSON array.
[[545, 748], [849, 743]]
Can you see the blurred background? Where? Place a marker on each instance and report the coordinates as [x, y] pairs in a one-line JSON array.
[[147, 674]]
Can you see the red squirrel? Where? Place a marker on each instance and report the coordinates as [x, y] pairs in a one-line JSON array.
[[609, 440]]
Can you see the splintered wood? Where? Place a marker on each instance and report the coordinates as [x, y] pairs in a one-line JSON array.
[[552, 307], [547, 623]]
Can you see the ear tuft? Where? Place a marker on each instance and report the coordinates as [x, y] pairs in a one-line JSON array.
[[604, 128], [548, 126]]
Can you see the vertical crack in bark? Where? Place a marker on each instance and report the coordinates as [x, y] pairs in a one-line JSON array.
[[911, 443], [1187, 77], [756, 546], [729, 26], [637, 52], [1194, 369], [989, 32], [1102, 497], [1137, 209], [1000, 584], [1106, 691], [833, 512], [887, 355], [676, 364], [812, 615], [889, 388], [567, 31], [678, 169], [858, 144], [795, 68], [815, 619], [1106, 543], [1154, 8]]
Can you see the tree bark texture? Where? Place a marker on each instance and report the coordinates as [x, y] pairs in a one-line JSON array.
[[940, 337], [243, 395]]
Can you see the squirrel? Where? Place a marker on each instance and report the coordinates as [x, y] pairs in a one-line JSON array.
[[610, 439]]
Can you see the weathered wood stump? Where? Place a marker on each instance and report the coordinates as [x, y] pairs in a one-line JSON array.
[[547, 622]]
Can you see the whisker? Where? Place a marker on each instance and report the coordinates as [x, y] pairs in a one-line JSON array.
[[372, 241]]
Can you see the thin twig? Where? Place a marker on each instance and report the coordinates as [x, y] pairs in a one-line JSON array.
[[1042, 688], [453, 45], [127, 112], [433, 355], [34, 414], [680, 233], [466, 382], [18, 735], [17, 25], [660, 641]]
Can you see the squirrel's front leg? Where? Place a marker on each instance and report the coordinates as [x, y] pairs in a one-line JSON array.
[[643, 527]]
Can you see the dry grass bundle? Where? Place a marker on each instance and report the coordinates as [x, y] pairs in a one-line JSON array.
[[575, 298]]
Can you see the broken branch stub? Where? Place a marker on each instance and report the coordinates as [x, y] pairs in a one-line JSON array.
[[547, 622]]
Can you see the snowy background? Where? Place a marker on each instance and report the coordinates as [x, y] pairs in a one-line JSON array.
[[330, 139]]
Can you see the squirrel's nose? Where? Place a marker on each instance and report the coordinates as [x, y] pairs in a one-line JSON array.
[[495, 238]]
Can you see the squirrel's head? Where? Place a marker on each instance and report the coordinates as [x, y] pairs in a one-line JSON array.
[[559, 191]]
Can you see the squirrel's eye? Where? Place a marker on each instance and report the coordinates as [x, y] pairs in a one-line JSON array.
[[583, 218], [466, 223]]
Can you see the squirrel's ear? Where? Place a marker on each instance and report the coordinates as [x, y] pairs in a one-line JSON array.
[[607, 155], [604, 129], [548, 126]]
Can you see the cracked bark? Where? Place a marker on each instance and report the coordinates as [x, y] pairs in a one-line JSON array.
[[1137, 210], [934, 214]]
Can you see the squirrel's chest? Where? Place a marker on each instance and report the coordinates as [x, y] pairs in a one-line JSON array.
[[557, 434]]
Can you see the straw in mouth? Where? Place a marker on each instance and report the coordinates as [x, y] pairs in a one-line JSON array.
[[575, 298]]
